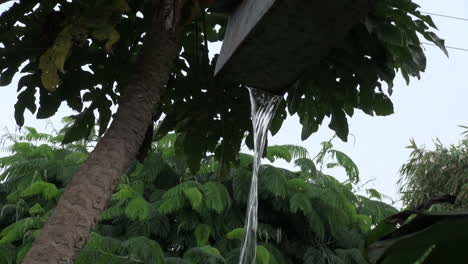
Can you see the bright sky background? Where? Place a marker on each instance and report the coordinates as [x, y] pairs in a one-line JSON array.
[[429, 108]]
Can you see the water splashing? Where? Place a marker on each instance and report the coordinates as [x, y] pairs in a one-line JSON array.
[[263, 108]]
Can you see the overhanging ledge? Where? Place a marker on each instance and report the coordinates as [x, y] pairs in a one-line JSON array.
[[269, 43]]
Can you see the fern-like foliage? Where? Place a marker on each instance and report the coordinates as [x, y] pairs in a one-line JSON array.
[[162, 213], [286, 152]]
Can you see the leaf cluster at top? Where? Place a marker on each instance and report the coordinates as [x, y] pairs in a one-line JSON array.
[[82, 53]]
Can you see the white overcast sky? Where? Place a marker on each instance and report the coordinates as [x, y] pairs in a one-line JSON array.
[[431, 107]]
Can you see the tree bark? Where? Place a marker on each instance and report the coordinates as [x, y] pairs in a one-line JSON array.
[[88, 194]]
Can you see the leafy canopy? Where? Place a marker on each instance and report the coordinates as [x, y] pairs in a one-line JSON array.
[[81, 53], [162, 213], [432, 173]]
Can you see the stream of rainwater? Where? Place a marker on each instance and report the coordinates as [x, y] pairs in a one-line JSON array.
[[263, 108]]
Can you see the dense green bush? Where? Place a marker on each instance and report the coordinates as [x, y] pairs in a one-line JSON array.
[[162, 213]]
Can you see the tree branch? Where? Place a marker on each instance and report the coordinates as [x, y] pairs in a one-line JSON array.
[[88, 194]]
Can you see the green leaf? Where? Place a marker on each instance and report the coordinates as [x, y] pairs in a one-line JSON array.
[[121, 6], [297, 185], [36, 210], [306, 165], [137, 209], [16, 231], [307, 118], [22, 253], [275, 152], [300, 201], [294, 96], [106, 32], [418, 56], [81, 128], [279, 118], [276, 256], [352, 171], [236, 233], [382, 105], [373, 193], [7, 76], [53, 60], [391, 34], [26, 100], [124, 192], [263, 255], [14, 196], [194, 196], [149, 251], [47, 190], [411, 241], [217, 197], [431, 36], [274, 181], [172, 204], [49, 103], [105, 244], [382, 229], [112, 212], [205, 254], [339, 124], [193, 147], [178, 190], [202, 234], [105, 113]]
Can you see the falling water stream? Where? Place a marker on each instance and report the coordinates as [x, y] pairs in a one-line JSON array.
[[263, 108]]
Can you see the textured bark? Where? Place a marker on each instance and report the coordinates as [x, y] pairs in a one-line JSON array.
[[89, 192]]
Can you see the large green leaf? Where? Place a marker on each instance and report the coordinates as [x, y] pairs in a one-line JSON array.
[[339, 124], [274, 180], [202, 234], [383, 105], [217, 197], [16, 231], [263, 255], [194, 196], [445, 233], [46, 190]]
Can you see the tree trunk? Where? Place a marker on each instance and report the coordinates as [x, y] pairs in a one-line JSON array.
[[88, 194]]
